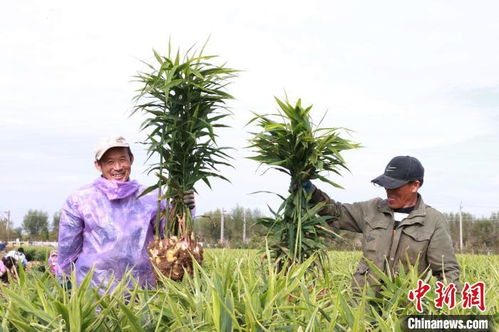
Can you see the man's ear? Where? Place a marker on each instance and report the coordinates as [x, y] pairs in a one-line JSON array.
[[131, 159], [97, 166], [416, 186]]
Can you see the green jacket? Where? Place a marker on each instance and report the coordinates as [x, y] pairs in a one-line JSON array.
[[422, 235]]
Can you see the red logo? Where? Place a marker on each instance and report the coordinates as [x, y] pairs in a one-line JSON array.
[[474, 295], [418, 293], [446, 295]]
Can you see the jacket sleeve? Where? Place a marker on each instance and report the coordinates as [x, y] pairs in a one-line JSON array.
[[441, 256], [343, 216], [70, 237]]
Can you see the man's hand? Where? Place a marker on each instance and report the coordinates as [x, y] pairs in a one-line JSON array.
[[307, 185], [189, 199]]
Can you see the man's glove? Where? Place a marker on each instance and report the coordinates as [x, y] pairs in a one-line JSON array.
[[307, 185], [189, 199]]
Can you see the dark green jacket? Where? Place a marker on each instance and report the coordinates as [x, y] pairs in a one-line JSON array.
[[422, 235]]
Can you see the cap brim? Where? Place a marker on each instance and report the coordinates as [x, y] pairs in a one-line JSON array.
[[102, 153], [388, 182]]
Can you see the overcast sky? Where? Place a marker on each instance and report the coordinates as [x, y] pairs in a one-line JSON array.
[[414, 78]]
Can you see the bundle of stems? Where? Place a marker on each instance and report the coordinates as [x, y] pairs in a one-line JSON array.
[[184, 99], [289, 142]]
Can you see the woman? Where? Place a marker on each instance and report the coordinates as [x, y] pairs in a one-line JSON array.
[[7, 266]]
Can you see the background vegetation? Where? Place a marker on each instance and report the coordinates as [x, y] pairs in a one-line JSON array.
[[480, 234]]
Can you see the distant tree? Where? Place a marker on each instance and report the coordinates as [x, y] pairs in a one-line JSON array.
[[5, 229], [35, 223], [54, 231], [454, 228], [17, 233], [485, 233], [479, 234], [207, 227]]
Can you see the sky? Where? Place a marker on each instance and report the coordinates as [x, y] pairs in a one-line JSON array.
[[416, 78]]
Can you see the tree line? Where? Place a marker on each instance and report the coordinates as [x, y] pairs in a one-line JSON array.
[[241, 230], [35, 227], [480, 235]]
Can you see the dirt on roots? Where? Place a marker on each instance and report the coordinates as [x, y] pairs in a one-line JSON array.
[[173, 256]]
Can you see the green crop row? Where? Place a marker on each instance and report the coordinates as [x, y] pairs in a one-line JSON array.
[[235, 290]]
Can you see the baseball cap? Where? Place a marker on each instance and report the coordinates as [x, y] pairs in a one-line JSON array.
[[399, 171], [108, 143]]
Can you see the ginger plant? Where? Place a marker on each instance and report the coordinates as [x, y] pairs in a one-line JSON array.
[[184, 100], [289, 142]]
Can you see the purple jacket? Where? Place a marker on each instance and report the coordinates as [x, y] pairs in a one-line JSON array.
[[104, 225], [3, 268]]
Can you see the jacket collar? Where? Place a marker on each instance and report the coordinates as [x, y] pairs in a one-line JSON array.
[[117, 189], [414, 216]]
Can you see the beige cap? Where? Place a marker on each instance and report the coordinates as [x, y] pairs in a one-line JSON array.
[[108, 143]]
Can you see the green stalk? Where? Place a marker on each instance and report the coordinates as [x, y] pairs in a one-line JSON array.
[[158, 206], [299, 226]]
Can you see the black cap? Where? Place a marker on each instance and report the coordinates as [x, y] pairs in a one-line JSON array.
[[399, 171]]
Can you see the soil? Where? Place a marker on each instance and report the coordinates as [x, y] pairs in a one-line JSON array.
[[173, 256]]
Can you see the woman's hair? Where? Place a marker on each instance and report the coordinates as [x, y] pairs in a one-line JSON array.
[[9, 262]]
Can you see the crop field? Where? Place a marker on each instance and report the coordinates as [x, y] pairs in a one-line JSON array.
[[235, 290]]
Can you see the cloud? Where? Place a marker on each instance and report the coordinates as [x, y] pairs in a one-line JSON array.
[[478, 97], [415, 79]]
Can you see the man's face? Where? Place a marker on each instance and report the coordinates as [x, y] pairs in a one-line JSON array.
[[115, 164], [402, 197]]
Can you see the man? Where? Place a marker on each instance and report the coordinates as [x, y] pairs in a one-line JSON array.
[[398, 230], [105, 225]]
